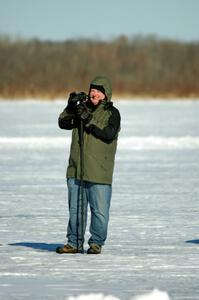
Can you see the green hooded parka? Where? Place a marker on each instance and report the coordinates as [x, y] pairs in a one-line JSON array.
[[100, 144]]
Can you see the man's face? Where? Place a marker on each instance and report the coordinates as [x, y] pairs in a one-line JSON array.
[[96, 96]]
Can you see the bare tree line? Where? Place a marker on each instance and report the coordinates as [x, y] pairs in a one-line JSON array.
[[138, 66]]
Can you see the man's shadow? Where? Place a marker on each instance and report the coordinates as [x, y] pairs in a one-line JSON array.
[[196, 241], [38, 246]]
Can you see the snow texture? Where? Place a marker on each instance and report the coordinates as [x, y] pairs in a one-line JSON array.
[[152, 246], [154, 295], [94, 297]]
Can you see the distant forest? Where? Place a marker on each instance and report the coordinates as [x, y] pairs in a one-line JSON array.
[[137, 66]]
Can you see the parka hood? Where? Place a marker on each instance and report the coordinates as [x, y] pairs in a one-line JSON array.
[[105, 83]]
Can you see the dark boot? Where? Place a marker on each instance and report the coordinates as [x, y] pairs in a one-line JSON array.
[[67, 249], [94, 249]]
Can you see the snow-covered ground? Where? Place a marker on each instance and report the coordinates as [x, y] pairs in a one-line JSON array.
[[153, 232]]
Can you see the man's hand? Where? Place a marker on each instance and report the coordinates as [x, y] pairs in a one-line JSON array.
[[72, 101], [83, 113]]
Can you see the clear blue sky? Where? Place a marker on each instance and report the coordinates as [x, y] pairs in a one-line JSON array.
[[64, 19]]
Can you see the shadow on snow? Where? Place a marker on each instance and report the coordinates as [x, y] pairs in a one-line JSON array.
[[38, 246], [52, 247], [193, 241]]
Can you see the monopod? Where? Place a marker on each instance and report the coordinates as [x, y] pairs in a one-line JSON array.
[[81, 188]]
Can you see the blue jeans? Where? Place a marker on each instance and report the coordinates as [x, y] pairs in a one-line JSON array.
[[98, 196]]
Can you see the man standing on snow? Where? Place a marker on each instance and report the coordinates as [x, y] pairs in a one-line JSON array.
[[101, 124]]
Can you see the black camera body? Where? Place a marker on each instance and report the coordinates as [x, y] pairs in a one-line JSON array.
[[78, 98]]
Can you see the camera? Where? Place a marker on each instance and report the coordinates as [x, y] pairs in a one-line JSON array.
[[77, 98]]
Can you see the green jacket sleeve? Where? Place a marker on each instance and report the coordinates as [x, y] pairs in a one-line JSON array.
[[67, 120], [109, 132]]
